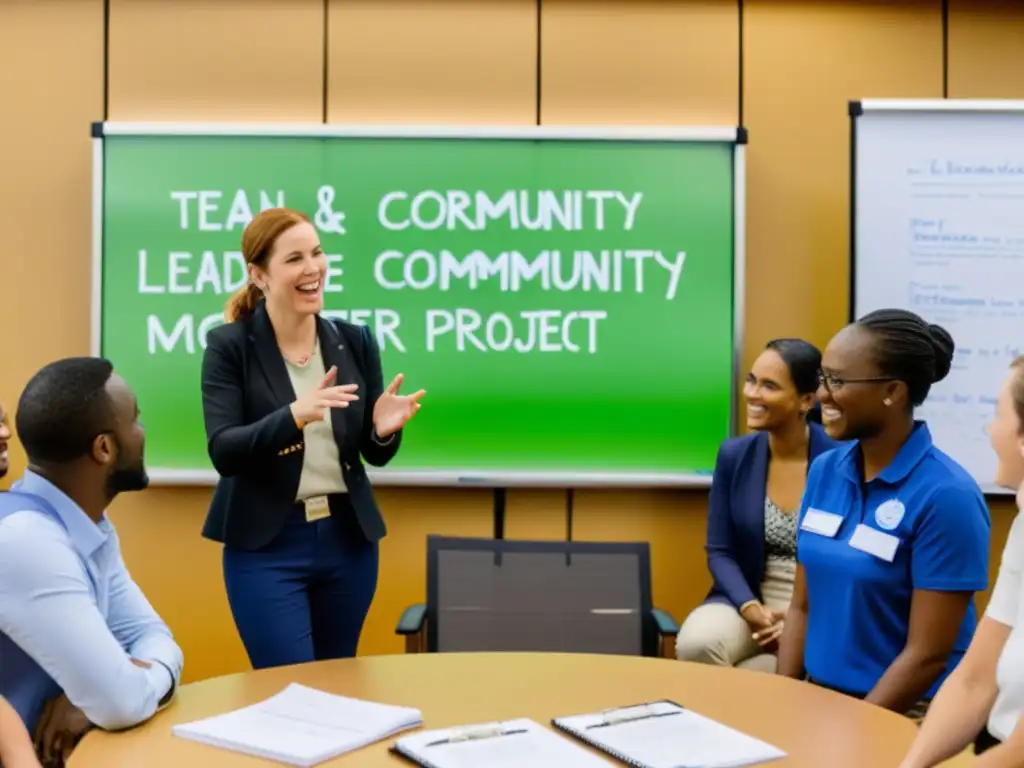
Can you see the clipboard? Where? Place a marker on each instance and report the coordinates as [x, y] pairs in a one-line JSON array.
[[666, 733], [520, 742]]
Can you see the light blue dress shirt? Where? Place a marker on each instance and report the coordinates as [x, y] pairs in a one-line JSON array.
[[72, 618]]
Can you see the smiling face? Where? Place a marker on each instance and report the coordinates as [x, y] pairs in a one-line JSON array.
[[5, 437], [772, 398], [293, 277], [1006, 433], [857, 399]]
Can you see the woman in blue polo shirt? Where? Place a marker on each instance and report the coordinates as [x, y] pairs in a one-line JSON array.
[[894, 534]]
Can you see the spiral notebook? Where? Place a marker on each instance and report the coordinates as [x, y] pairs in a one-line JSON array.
[[301, 726], [662, 734], [509, 744]]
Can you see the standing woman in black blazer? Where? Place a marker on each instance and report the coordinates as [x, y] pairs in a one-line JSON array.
[[293, 506]]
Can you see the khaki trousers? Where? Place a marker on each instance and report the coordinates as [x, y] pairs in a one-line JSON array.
[[717, 634]]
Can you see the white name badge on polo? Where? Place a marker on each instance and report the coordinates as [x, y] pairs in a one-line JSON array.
[[875, 542], [821, 523], [317, 508]]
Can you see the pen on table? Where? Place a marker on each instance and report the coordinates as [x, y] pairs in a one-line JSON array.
[[474, 737], [634, 719]]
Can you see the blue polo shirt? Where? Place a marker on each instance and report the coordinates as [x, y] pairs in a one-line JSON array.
[[865, 547]]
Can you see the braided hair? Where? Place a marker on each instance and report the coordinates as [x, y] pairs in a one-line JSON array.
[[909, 349]]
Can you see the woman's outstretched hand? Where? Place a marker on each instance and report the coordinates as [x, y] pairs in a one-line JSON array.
[[392, 411]]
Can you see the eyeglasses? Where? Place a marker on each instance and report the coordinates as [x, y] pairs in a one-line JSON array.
[[834, 383]]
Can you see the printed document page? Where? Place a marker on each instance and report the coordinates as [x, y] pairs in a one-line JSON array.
[[301, 726]]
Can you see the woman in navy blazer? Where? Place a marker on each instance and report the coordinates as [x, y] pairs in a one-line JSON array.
[[755, 496]]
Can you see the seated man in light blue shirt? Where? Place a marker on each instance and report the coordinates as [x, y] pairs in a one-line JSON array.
[[78, 639]]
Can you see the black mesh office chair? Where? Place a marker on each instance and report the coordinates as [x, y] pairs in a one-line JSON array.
[[500, 595]]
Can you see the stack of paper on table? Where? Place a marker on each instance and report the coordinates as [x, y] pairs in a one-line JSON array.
[[511, 744], [663, 734], [301, 726]]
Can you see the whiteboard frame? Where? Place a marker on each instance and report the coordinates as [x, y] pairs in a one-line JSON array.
[[473, 478], [863, 106]]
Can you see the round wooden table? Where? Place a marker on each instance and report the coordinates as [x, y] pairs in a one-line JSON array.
[[814, 726]]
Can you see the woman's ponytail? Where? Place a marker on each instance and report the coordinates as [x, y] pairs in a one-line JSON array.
[[243, 303]]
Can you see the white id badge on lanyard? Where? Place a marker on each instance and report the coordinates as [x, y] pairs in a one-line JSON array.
[[822, 523], [875, 542], [317, 508]]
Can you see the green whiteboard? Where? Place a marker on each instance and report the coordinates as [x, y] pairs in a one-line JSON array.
[[569, 298]]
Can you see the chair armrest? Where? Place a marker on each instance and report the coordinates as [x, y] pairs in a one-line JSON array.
[[664, 622], [412, 619]]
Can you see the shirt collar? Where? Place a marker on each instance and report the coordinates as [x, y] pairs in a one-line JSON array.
[[909, 456], [86, 535]]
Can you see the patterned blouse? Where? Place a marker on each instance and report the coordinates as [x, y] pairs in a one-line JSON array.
[[779, 532]]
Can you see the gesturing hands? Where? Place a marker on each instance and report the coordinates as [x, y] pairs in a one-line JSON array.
[[313, 405], [392, 410]]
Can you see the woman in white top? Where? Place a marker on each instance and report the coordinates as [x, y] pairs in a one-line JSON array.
[[983, 698]]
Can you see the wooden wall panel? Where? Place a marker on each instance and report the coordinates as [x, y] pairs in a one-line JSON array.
[[443, 61], [643, 62], [216, 60], [639, 62], [51, 57], [803, 62], [986, 49], [536, 513]]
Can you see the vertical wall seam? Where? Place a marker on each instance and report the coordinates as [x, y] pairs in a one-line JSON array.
[[945, 49], [326, 60], [106, 60], [537, 85], [739, 84]]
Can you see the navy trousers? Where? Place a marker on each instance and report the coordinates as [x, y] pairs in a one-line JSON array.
[[305, 596]]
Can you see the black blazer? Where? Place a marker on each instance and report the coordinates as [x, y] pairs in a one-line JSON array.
[[254, 442]]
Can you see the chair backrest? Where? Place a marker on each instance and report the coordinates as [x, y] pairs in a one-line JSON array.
[[501, 595]]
